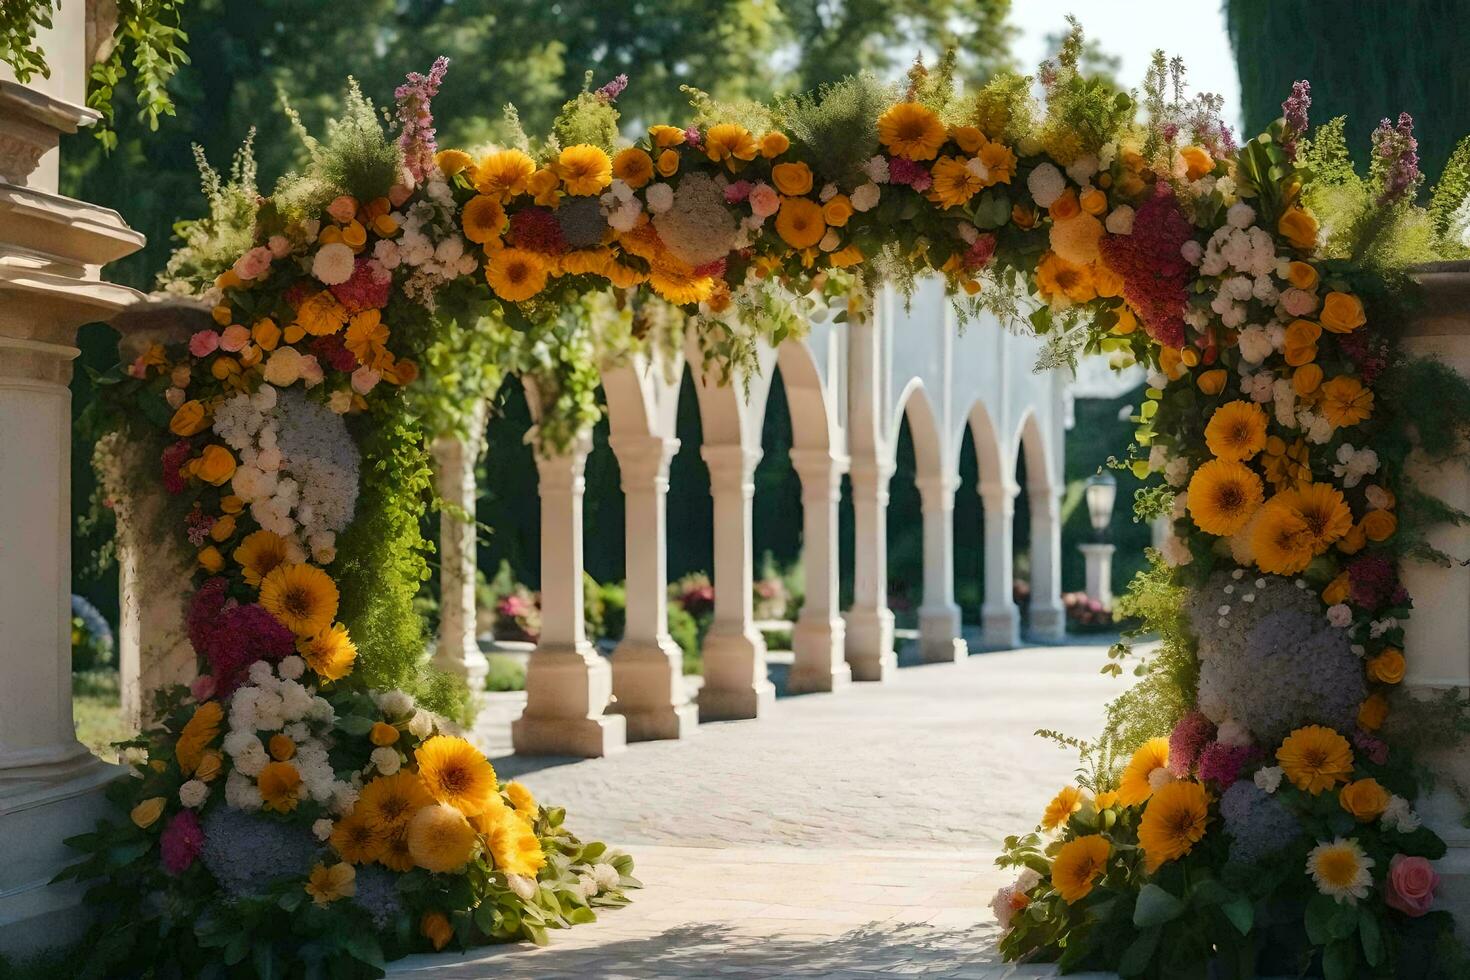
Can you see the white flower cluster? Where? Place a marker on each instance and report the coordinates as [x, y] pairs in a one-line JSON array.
[[1400, 816], [621, 206], [1004, 905], [430, 246], [596, 879], [277, 703], [298, 467]]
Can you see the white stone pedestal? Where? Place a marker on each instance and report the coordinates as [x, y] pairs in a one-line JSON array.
[[1099, 571], [1000, 621], [458, 651], [819, 637], [51, 252]]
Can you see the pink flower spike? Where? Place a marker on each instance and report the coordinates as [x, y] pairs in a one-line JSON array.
[[204, 343]]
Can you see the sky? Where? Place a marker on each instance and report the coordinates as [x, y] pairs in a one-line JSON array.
[[1132, 30]]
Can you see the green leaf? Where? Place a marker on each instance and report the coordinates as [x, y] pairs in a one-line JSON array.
[[1139, 952], [1155, 907], [1241, 914], [1340, 961], [1318, 918], [1371, 935], [355, 725]]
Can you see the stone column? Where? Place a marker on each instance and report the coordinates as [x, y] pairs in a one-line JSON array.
[[1437, 634], [568, 683], [939, 617], [51, 252], [1048, 617], [818, 640], [1000, 623], [458, 651], [869, 620], [735, 681], [1099, 559], [648, 666]]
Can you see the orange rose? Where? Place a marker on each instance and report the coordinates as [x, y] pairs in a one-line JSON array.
[[1306, 379], [1197, 162], [773, 144], [1337, 590], [435, 927], [1299, 227], [1365, 799], [668, 163], [215, 465], [1372, 712], [281, 747], [1212, 382], [1379, 525], [792, 179], [382, 734], [1302, 275], [211, 560], [1388, 667], [1354, 541], [968, 138], [189, 419], [837, 211], [1023, 216], [1065, 206], [1342, 312], [1094, 201]]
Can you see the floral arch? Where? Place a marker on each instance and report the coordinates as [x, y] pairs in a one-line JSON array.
[[362, 306]]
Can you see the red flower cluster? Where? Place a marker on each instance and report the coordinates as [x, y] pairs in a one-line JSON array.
[[538, 230], [231, 637], [1155, 274], [331, 351], [367, 287], [1373, 583], [174, 458]]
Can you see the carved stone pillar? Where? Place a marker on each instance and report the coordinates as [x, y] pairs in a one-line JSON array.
[[458, 651], [819, 635], [568, 683], [1048, 616], [939, 616], [735, 681], [648, 666], [869, 620], [1000, 623]]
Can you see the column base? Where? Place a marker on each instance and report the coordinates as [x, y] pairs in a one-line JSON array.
[[1000, 629], [820, 665], [648, 691], [869, 644], [939, 635], [468, 664], [40, 806], [1048, 622], [735, 682], [567, 691]]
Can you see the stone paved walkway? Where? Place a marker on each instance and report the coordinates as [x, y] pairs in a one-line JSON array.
[[846, 836]]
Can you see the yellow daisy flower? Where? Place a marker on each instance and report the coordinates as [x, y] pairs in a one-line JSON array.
[[327, 884], [302, 597], [1315, 758], [515, 274], [503, 174], [514, 847], [280, 786], [1067, 802], [1078, 865], [331, 652], [389, 802], [1136, 783], [1236, 431], [584, 169], [440, 838], [356, 840], [911, 131], [1223, 496], [457, 773], [1173, 823]]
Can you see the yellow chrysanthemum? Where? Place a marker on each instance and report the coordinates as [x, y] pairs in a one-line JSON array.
[[388, 802], [515, 274], [584, 169], [482, 218], [1067, 802], [999, 163], [1078, 865], [1280, 542], [503, 174], [1059, 281], [327, 884], [513, 846], [799, 222], [911, 131], [522, 800], [1223, 495], [730, 141], [303, 598], [356, 840], [1173, 822], [457, 773], [633, 167], [1237, 430], [259, 554], [1345, 401], [1322, 508], [280, 786], [201, 729], [331, 652], [440, 838], [1315, 758], [954, 182], [679, 287], [1136, 783], [396, 855], [320, 314]]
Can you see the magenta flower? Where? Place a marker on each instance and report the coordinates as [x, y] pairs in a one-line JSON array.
[[1155, 273], [366, 288], [1396, 159], [909, 173], [181, 842], [1294, 112], [613, 89], [1190, 735], [173, 460], [1222, 764]]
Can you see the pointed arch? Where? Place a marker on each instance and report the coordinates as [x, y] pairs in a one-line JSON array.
[[914, 404], [814, 422], [1030, 438], [995, 464]]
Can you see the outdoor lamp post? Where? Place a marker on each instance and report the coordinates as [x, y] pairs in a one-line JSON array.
[[1101, 492]]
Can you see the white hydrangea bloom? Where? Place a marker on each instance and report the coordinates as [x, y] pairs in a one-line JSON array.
[[386, 760], [1269, 778], [1046, 184], [321, 829], [193, 793]]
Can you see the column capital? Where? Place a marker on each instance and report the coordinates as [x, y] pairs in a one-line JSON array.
[[866, 471], [729, 461], [937, 491], [998, 496], [643, 460], [820, 472], [564, 471]]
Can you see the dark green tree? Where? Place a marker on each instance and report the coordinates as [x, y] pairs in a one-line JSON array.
[[1366, 61]]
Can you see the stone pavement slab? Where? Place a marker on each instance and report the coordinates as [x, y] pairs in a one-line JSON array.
[[845, 836]]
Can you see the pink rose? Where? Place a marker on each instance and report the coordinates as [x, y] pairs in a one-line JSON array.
[[234, 338], [1411, 885], [204, 343], [279, 245], [1299, 302], [311, 371], [202, 687], [365, 379], [399, 193], [764, 201], [253, 263], [737, 192], [342, 209]]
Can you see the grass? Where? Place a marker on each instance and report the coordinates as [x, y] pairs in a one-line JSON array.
[[505, 674], [96, 705]]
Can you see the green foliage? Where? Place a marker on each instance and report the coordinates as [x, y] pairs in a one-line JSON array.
[[1448, 202], [685, 632], [1166, 689], [836, 127], [19, 21], [212, 243], [754, 115], [1004, 109], [1081, 113], [504, 673], [587, 118], [357, 156]]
